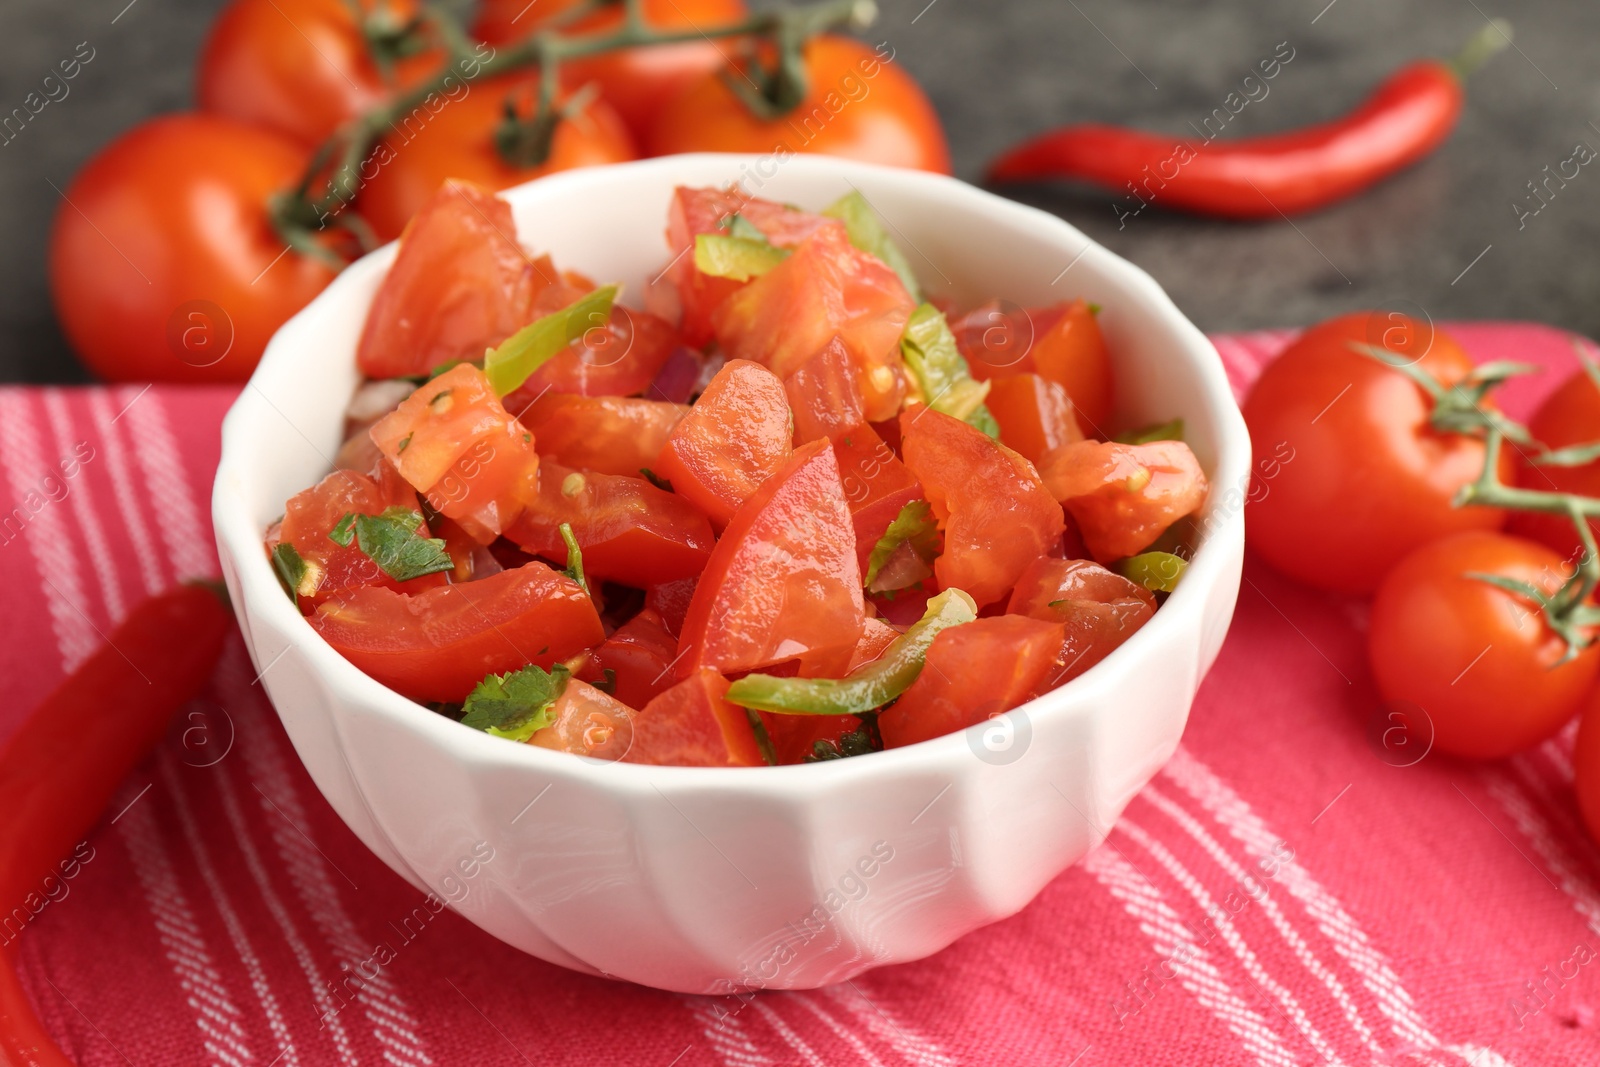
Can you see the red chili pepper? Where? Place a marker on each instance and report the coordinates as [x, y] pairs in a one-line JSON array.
[[1404, 119], [58, 772]]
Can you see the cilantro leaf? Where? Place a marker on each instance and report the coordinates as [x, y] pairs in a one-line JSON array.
[[947, 385], [867, 233], [292, 569], [739, 226], [905, 553], [1144, 435], [656, 480], [574, 557], [525, 351], [344, 530], [392, 542], [740, 258], [515, 705], [857, 742]]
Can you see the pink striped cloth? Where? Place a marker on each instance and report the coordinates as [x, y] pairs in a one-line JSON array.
[[1281, 893]]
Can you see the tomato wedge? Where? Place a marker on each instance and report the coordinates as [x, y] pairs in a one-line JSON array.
[[1062, 343], [587, 722], [736, 435], [608, 434], [1099, 609], [459, 284], [639, 655], [974, 672], [671, 601], [691, 725], [876, 484], [996, 515], [437, 645], [455, 443], [826, 288], [1035, 414], [629, 531], [1124, 496], [823, 395], [620, 360], [783, 583], [794, 737]]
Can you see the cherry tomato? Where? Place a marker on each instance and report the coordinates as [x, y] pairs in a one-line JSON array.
[[587, 722], [994, 511], [639, 656], [1586, 766], [1099, 609], [691, 725], [783, 583], [163, 263], [1569, 416], [736, 435], [1018, 656], [1062, 343], [459, 284], [1123, 497], [628, 530], [458, 447], [1035, 414], [300, 67], [1479, 661], [456, 139], [859, 104], [606, 434], [438, 645], [1362, 478]]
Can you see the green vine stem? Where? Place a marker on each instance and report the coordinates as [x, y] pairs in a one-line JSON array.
[[300, 217]]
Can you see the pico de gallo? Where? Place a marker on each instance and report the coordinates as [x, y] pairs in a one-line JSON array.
[[790, 509]]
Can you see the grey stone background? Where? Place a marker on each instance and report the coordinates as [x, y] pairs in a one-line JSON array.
[[999, 70]]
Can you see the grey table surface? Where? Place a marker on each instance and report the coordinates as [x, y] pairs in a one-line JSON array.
[[1445, 236]]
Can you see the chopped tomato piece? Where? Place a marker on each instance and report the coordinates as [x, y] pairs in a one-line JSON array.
[[826, 288], [1099, 609], [587, 722], [794, 737], [608, 434], [996, 515], [1035, 414], [454, 442], [1061, 342], [824, 396], [439, 644], [671, 600], [783, 582], [1124, 496], [620, 360], [460, 283], [730, 442], [640, 655], [629, 531], [974, 672], [691, 725], [876, 484]]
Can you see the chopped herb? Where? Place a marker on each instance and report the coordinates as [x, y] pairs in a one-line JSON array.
[[905, 553], [607, 684], [739, 226], [867, 232], [574, 557], [655, 479], [447, 365], [857, 742], [1165, 431], [1094, 309], [344, 531], [515, 705], [1157, 571], [392, 542], [769, 755], [292, 570], [941, 372], [525, 351], [739, 258], [405, 442]]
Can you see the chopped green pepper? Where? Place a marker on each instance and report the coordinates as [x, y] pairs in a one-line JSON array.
[[930, 350], [740, 258], [1157, 571], [525, 351], [867, 233]]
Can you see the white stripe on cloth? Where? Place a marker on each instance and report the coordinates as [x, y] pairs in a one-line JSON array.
[[1175, 944], [796, 1043], [1256, 972], [907, 1041], [722, 1030], [1250, 830], [182, 528], [1269, 907], [111, 451], [1580, 891], [85, 517], [809, 1001]]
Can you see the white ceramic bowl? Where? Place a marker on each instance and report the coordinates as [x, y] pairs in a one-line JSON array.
[[715, 880]]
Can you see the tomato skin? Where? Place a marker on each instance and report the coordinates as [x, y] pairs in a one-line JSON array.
[[826, 288], [1569, 416], [1061, 343], [691, 725], [889, 122], [671, 601], [823, 395], [876, 484], [1123, 497], [1035, 414], [783, 583], [640, 655], [195, 232], [437, 645], [1431, 625], [731, 441], [628, 530], [587, 722], [1586, 767], [607, 434], [973, 672], [1099, 610], [456, 140], [458, 447], [621, 360], [298, 67], [994, 511], [1362, 479]]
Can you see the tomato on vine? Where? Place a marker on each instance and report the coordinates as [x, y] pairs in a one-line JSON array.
[[1569, 418]]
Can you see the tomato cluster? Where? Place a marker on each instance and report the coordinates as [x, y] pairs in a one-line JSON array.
[[1399, 475], [182, 246], [771, 519]]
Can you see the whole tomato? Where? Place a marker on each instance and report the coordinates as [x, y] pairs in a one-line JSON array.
[[1363, 477], [300, 67], [859, 104], [1479, 660], [1569, 416], [453, 136], [1586, 766], [163, 263], [638, 82]]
